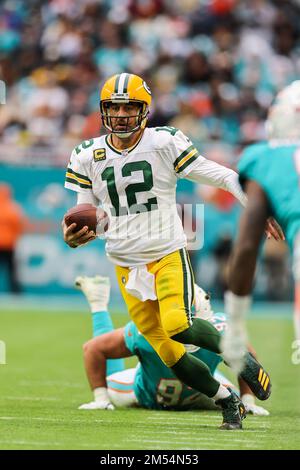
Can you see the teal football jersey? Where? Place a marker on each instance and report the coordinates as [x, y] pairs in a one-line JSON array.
[[155, 385], [277, 170]]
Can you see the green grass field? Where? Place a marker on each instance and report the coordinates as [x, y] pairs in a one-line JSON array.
[[43, 383]]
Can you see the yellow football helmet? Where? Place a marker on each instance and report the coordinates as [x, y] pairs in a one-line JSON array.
[[125, 88]]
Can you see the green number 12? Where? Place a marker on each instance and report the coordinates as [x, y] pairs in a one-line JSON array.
[[108, 175]]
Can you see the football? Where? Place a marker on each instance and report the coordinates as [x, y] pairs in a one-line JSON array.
[[87, 215]]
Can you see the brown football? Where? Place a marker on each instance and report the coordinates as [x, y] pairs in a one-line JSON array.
[[84, 214]]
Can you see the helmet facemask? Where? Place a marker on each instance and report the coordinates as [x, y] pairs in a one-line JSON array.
[[107, 117]]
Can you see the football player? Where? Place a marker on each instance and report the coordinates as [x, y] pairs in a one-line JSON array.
[[270, 174], [151, 384], [133, 172]]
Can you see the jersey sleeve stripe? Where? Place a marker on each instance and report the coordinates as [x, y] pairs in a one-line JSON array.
[[192, 159], [79, 180], [182, 155], [81, 185], [185, 161], [78, 175]]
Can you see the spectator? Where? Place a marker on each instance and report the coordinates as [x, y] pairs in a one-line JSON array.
[[222, 59], [12, 224]]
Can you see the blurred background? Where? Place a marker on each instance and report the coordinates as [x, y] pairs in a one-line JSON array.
[[214, 67]]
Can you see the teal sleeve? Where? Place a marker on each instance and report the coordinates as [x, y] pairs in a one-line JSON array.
[[130, 335], [102, 324], [248, 165]]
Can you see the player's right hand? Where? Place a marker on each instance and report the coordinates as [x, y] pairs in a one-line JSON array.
[[273, 230], [77, 238], [97, 405]]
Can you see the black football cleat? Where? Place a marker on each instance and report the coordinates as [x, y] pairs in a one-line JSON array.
[[233, 412], [256, 377]]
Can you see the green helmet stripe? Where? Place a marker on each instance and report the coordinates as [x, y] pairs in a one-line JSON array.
[[117, 84], [126, 82], [121, 82]]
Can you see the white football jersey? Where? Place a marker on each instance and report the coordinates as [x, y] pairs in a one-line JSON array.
[[137, 188]]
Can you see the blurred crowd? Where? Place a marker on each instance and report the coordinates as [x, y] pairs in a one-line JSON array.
[[213, 67]]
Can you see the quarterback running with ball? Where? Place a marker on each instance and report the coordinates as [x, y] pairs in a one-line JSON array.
[[132, 172]]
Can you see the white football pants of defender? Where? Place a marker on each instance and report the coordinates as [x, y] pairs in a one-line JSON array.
[[296, 273], [120, 388]]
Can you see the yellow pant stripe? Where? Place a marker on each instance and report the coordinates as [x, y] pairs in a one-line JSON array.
[[193, 279], [187, 290], [260, 374]]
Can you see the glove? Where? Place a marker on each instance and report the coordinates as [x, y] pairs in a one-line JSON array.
[[252, 408], [97, 405], [101, 402]]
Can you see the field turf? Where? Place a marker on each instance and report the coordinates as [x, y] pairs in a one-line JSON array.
[[43, 383]]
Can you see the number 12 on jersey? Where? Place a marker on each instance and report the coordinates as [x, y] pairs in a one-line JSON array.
[[131, 190]]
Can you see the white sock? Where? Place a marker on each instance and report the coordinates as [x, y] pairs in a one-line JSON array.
[[222, 392], [100, 394], [248, 399], [237, 306], [98, 306]]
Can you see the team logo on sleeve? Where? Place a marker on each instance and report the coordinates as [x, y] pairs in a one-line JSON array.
[[99, 155]]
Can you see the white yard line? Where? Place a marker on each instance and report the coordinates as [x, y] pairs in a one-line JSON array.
[[199, 439], [193, 418], [30, 398], [206, 440], [42, 443], [50, 420], [208, 421], [224, 435], [51, 383]]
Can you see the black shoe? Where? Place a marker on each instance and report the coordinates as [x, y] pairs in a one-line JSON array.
[[256, 377], [233, 412]]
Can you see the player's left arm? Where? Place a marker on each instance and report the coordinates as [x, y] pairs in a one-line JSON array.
[[241, 274], [208, 172], [251, 229], [205, 171], [110, 345]]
